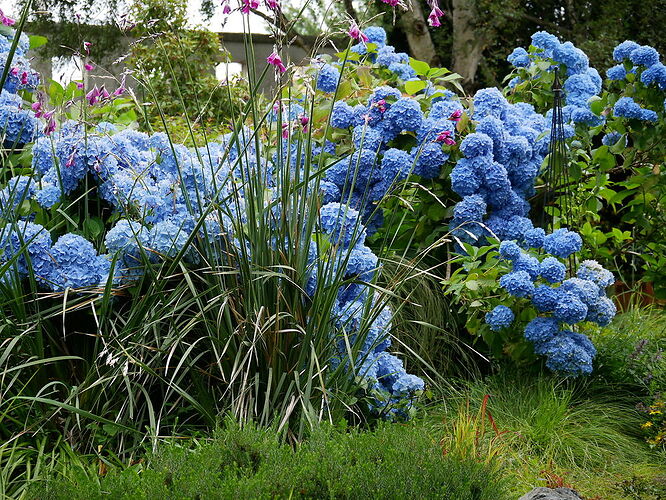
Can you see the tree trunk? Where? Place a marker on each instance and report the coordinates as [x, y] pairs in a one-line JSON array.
[[414, 24], [468, 45]]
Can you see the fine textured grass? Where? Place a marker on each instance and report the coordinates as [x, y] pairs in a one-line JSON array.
[[393, 461], [551, 432]]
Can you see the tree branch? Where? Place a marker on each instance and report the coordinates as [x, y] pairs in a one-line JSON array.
[[287, 27]]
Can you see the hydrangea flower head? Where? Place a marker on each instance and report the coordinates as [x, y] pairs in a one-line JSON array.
[[500, 317]]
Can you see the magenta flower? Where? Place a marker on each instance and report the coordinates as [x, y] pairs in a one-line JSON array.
[[446, 138], [14, 71], [248, 5], [356, 33], [392, 3], [275, 60], [455, 116], [226, 8], [50, 126], [86, 47], [433, 18], [93, 96], [37, 108], [89, 67], [24, 78], [7, 21], [79, 85], [285, 130], [381, 105], [273, 4]]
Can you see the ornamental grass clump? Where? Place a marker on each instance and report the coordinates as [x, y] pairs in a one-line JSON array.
[[158, 286]]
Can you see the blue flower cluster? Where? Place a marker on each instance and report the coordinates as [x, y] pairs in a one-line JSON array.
[[560, 300], [379, 127], [18, 125], [582, 83], [496, 176], [159, 192], [377, 50], [648, 69]]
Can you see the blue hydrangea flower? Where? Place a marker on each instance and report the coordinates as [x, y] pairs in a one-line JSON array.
[[592, 271], [519, 284], [404, 114], [376, 35], [342, 224], [611, 138], [655, 74], [624, 50], [476, 144], [644, 56], [528, 264], [570, 309], [552, 270], [616, 72], [519, 58], [540, 331], [464, 179], [545, 298], [568, 354], [587, 291], [489, 102], [572, 57], [429, 160], [626, 107], [534, 238], [342, 115], [509, 250], [75, 264], [562, 243], [470, 209], [500, 317], [545, 41], [602, 311], [327, 78]]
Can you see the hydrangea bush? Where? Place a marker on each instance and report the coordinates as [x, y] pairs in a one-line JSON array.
[[615, 128]]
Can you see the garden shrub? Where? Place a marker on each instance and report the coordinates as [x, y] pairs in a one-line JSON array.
[[389, 462]]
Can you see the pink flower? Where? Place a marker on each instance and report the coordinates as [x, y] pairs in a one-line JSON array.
[[93, 96], [37, 108], [248, 5], [79, 85], [285, 130], [14, 71], [446, 138], [435, 14], [392, 3], [86, 47], [275, 60], [273, 4], [356, 33], [50, 123], [24, 78], [304, 122], [89, 67], [226, 9], [7, 21], [381, 105], [455, 116]]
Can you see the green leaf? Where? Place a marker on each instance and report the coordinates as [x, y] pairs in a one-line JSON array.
[[597, 105], [37, 41], [414, 86], [420, 67], [93, 227]]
